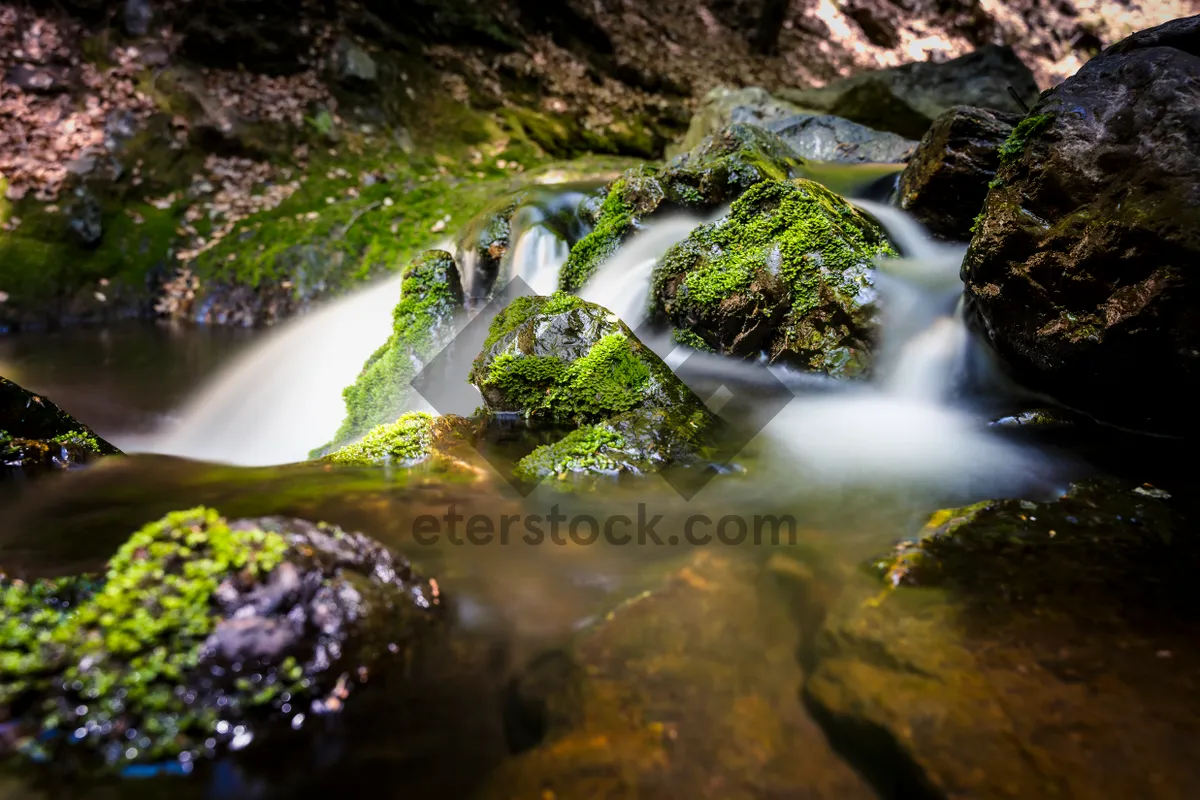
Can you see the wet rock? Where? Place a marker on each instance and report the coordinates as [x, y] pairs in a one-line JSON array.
[[719, 169], [724, 106], [827, 138], [811, 136], [561, 359], [906, 99], [1025, 649], [946, 181], [638, 442], [205, 635], [424, 320], [787, 274], [688, 690], [37, 436], [1080, 272], [39, 79], [353, 65], [484, 243]]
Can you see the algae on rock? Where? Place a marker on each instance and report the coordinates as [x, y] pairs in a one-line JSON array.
[[202, 634], [423, 322], [722, 167], [786, 273], [637, 442]]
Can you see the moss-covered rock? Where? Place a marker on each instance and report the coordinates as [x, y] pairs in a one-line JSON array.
[[787, 273], [422, 323], [406, 441], [561, 359], [637, 442], [202, 635], [36, 435], [719, 169], [1049, 643]]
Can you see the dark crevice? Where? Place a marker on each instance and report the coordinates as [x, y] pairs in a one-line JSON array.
[[874, 753]]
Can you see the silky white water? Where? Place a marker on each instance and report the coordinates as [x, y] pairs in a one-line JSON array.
[[284, 398]]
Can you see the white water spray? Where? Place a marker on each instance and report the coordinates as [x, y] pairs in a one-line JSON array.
[[537, 259]]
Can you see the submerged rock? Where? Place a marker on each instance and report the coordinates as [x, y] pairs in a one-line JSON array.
[[787, 273], [1050, 644], [716, 171], [906, 99], [687, 690], [431, 297], [561, 359], [1081, 272], [204, 635], [946, 182], [637, 442], [36, 435]]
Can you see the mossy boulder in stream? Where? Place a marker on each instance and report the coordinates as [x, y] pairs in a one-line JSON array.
[[564, 360], [974, 667], [719, 169], [636, 442], [423, 322], [1082, 270], [786, 273], [203, 634], [36, 435]]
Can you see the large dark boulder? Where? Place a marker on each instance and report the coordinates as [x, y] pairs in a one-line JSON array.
[[787, 273], [946, 181], [1082, 270], [906, 99], [977, 654]]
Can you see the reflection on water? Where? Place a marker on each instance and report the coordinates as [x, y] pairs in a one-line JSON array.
[[123, 379]]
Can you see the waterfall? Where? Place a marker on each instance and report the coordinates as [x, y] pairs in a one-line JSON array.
[[622, 284], [538, 257], [284, 397]]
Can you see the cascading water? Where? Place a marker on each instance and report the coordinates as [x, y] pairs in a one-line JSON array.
[[284, 397]]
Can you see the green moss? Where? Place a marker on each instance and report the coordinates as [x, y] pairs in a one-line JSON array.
[[407, 440], [121, 653], [578, 370], [581, 450], [79, 438], [613, 225], [722, 167], [691, 339], [788, 272], [422, 322], [1014, 145]]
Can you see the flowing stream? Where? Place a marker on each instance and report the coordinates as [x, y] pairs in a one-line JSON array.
[[857, 465]]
